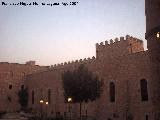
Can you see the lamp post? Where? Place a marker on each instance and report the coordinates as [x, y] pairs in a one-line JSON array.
[[158, 34], [41, 103], [46, 108], [69, 101], [86, 106]]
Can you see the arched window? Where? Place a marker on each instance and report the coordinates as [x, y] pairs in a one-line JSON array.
[[144, 90], [32, 97], [112, 92]]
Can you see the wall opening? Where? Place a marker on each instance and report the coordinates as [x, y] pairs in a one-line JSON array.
[[144, 90], [10, 87], [32, 97], [146, 117], [49, 96], [22, 87], [112, 92]]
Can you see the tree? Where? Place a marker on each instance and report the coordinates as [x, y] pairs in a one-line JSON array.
[[81, 85], [23, 98]]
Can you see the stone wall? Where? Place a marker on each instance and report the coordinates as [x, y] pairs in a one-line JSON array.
[[123, 62], [12, 77]]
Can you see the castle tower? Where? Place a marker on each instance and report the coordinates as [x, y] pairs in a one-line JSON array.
[[152, 10]]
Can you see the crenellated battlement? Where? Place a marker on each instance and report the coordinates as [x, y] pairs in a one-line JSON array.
[[116, 47], [118, 40], [85, 60], [119, 47]]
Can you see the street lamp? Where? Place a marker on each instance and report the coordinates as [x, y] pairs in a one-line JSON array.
[[46, 108], [158, 34], [69, 101], [41, 103]]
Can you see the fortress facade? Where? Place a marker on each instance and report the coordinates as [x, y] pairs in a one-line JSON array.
[[122, 63], [131, 79]]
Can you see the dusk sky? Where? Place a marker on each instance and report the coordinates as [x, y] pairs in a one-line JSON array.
[[56, 34]]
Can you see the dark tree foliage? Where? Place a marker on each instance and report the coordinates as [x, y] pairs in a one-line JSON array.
[[81, 85], [23, 97]]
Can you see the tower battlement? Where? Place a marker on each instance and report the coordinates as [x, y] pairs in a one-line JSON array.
[[117, 41], [119, 47]]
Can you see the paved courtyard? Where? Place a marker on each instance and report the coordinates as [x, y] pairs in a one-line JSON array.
[[14, 116]]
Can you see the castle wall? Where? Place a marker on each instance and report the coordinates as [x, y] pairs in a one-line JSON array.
[[12, 77], [126, 73], [45, 81], [124, 69], [52, 80], [122, 62]]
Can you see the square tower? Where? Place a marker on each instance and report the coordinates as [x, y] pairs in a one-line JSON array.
[[152, 11]]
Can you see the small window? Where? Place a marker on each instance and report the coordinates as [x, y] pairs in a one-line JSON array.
[[112, 92], [10, 87], [146, 117], [32, 97], [49, 96], [144, 90], [22, 87]]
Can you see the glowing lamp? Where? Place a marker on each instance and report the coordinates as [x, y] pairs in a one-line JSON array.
[[41, 101], [46, 103], [158, 34], [69, 99]]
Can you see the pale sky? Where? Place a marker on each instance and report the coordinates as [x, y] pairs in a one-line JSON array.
[[57, 34]]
